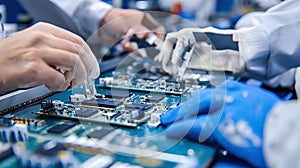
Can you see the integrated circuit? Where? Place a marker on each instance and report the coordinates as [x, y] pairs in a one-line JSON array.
[[86, 112], [139, 106], [102, 103], [118, 95], [100, 133], [61, 127], [155, 98]]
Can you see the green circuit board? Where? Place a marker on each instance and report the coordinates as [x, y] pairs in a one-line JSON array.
[[117, 127]]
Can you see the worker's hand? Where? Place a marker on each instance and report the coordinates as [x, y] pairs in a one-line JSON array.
[[204, 57], [45, 54], [120, 23], [232, 115]]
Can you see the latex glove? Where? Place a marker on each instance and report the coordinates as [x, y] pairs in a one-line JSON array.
[[120, 23], [31, 57], [204, 56], [232, 115]]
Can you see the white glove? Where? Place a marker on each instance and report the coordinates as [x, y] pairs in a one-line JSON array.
[[204, 57]]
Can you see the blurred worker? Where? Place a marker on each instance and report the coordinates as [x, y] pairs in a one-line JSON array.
[[45, 54], [90, 16], [264, 46], [249, 122]]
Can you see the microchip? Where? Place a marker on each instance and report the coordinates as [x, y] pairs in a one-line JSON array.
[[50, 149], [142, 107], [155, 98], [151, 77], [61, 127], [102, 103], [117, 95], [100, 133], [86, 113]]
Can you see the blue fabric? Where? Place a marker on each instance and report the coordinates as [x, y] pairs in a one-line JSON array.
[[232, 115]]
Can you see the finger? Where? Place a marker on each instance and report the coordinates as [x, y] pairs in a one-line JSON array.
[[198, 104], [59, 58], [79, 74], [62, 44], [199, 129], [178, 52], [69, 62], [53, 79], [87, 57], [61, 33], [90, 62], [167, 49]]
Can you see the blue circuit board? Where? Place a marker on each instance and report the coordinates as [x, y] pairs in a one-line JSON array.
[[118, 127]]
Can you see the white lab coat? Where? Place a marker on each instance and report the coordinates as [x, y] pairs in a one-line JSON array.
[[271, 44], [277, 31]]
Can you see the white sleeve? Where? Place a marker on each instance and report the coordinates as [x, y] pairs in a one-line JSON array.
[[282, 135], [87, 13], [269, 43]]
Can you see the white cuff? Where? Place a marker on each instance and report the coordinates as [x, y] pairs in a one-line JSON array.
[[254, 50], [281, 135]]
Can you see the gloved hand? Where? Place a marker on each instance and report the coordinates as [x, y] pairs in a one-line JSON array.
[[132, 22], [222, 58], [232, 115], [31, 57]]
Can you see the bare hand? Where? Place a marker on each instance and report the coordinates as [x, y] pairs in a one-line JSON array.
[[35, 56], [117, 23]]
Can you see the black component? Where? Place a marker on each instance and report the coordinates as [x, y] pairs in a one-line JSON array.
[[100, 133], [155, 98], [53, 151], [6, 154], [61, 127], [142, 107], [118, 95], [115, 115], [86, 113], [151, 77], [140, 115], [47, 106], [102, 103]]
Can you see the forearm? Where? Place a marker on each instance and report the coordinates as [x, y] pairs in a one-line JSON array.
[[88, 13], [269, 42]]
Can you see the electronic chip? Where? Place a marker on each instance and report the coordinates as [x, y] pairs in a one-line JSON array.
[[61, 127], [117, 95], [100, 133], [50, 149], [102, 103], [155, 98], [139, 106], [86, 113]]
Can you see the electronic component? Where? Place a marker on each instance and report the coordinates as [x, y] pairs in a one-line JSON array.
[[14, 133], [118, 95], [139, 106], [77, 98], [6, 151], [61, 127], [102, 103], [136, 114], [154, 120], [154, 98], [47, 106], [86, 112], [51, 154], [100, 133]]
